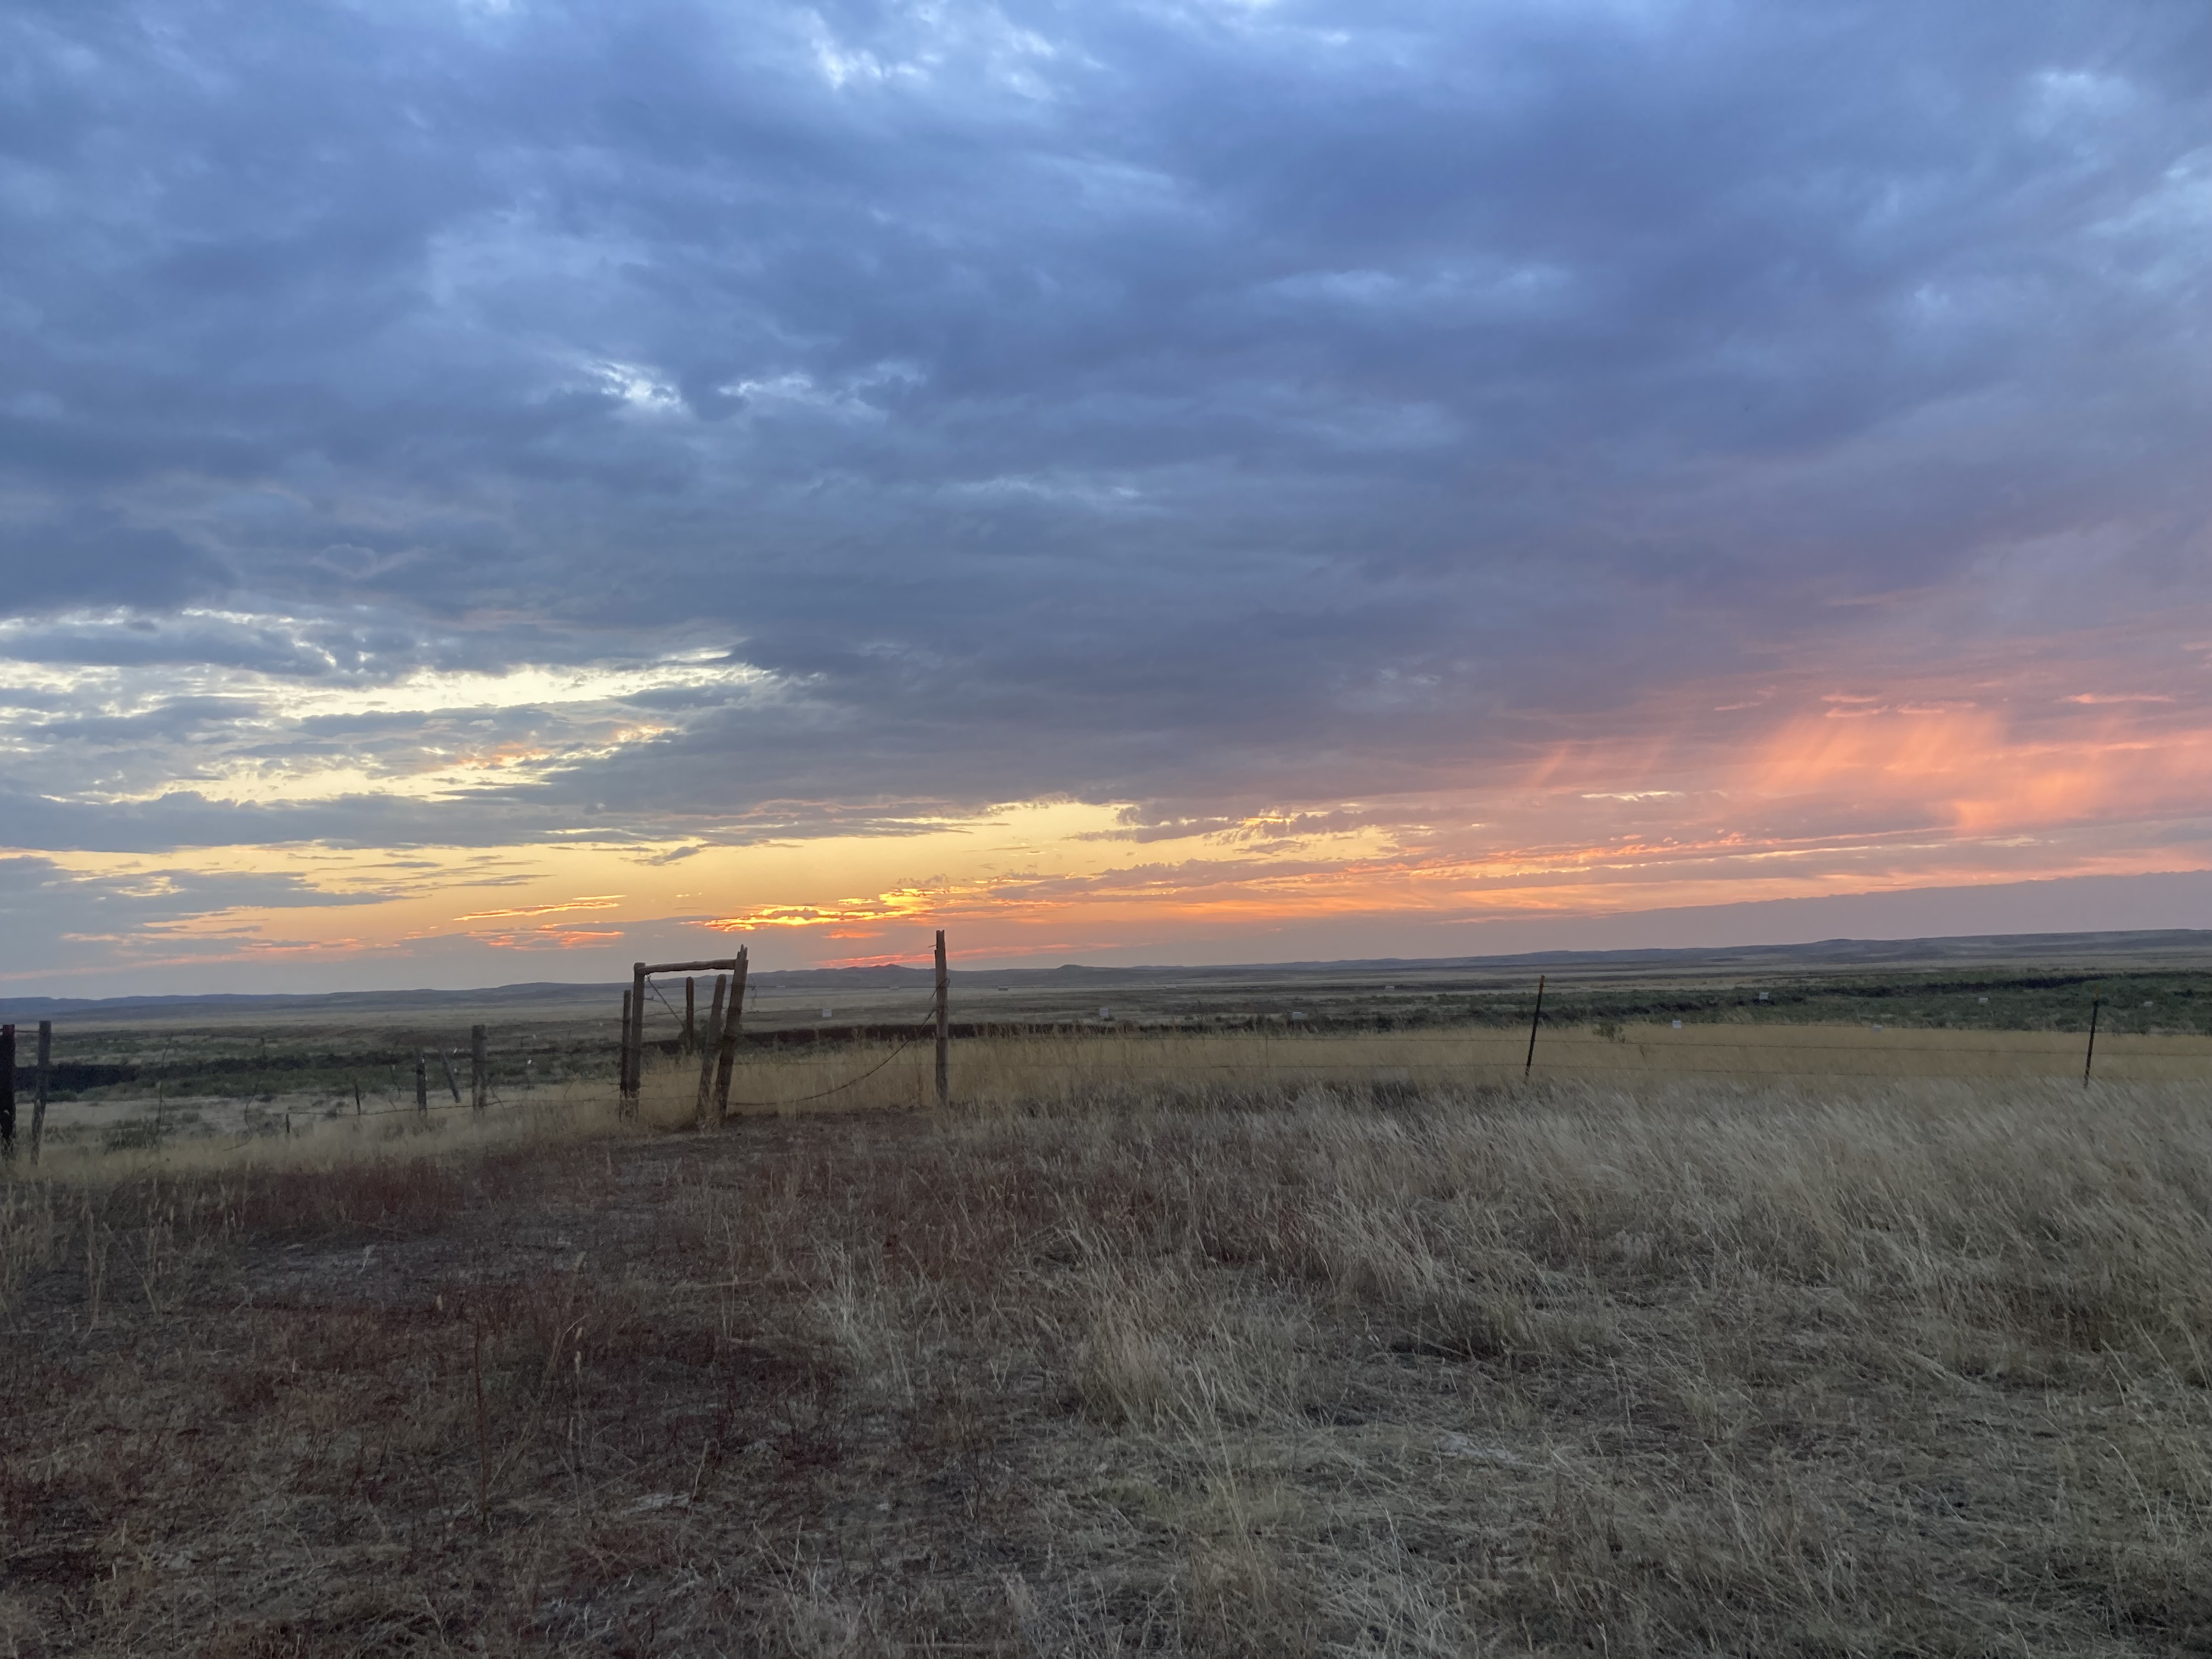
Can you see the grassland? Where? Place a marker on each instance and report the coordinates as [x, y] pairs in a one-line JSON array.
[[1128, 1354], [1013, 1070], [198, 1071]]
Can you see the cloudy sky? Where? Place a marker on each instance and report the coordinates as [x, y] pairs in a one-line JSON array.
[[492, 488]]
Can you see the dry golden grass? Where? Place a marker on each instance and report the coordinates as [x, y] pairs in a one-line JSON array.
[[328, 1140], [1015, 1069], [1202, 1366]]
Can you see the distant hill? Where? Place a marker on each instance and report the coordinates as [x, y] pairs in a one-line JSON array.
[[19, 1009], [2178, 946]]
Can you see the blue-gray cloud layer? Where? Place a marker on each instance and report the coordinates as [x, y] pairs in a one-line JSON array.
[[1181, 402]]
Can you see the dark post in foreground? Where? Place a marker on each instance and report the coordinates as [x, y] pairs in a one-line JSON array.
[[1528, 1065], [690, 1015], [943, 1080], [8, 1093], [725, 1044], [633, 1041], [38, 1100], [711, 1052], [479, 1069], [2095, 998], [422, 1082], [622, 1063]]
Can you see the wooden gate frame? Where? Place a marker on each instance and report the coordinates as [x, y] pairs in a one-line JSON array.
[[633, 1036]]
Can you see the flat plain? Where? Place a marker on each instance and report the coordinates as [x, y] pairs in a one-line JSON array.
[[1331, 1337], [240, 1068]]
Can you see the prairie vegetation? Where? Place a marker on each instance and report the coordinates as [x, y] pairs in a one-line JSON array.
[[1012, 1071], [205, 1061], [1229, 1364]]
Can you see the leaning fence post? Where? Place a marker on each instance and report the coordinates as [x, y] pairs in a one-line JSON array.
[[2094, 998], [8, 1093], [710, 1053], [944, 1079], [38, 1100], [1528, 1065], [479, 1069], [725, 1058]]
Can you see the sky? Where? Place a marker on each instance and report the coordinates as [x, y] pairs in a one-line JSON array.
[[494, 490]]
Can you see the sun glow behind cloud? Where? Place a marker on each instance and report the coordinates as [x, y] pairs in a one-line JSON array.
[[1836, 795]]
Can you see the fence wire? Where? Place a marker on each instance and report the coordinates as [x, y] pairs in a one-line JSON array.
[[837, 1089], [1652, 1055], [2055, 1055]]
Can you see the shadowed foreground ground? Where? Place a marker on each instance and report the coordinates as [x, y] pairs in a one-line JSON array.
[[1921, 1370]]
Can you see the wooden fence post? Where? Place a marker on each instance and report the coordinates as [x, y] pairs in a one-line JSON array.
[[38, 1100], [633, 1082], [8, 1093], [944, 1075], [421, 1083], [452, 1083], [710, 1053], [622, 1062], [691, 1016], [479, 1069], [725, 1056]]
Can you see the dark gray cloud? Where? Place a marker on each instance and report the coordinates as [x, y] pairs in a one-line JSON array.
[[68, 921], [1153, 402]]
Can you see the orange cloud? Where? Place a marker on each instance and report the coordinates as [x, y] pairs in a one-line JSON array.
[[1705, 794], [550, 939], [1972, 770], [602, 901]]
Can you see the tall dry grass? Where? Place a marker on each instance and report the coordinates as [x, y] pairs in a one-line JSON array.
[[1657, 1368], [1017, 1068], [333, 1139]]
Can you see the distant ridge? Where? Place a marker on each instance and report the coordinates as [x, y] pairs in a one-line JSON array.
[[2144, 948], [22, 1008]]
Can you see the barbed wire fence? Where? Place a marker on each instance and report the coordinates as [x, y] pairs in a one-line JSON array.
[[1485, 1053]]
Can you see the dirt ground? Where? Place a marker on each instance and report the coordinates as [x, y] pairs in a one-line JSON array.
[[1554, 1372]]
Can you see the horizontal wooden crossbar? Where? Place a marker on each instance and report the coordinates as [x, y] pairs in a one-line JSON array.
[[643, 968]]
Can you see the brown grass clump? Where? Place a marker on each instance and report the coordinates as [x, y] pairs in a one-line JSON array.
[[1675, 1369]]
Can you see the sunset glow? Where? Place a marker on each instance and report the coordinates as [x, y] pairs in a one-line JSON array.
[[1788, 804], [1507, 479]]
